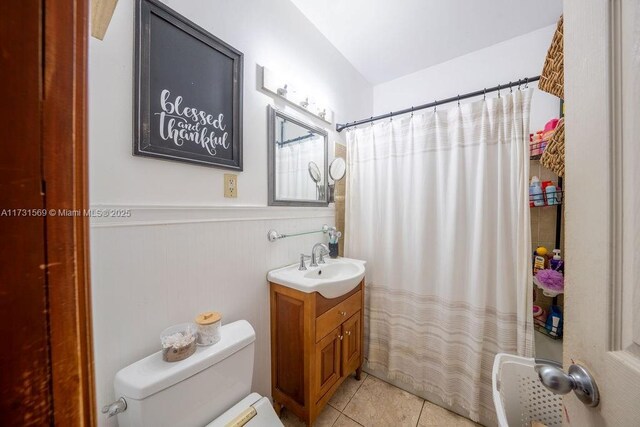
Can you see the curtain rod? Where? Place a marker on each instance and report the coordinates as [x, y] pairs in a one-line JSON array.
[[296, 139], [525, 81]]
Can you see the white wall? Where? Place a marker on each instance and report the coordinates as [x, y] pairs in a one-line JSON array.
[[273, 33], [186, 248], [164, 265], [515, 58]]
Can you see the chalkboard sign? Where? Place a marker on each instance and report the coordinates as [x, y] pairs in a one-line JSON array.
[[188, 91]]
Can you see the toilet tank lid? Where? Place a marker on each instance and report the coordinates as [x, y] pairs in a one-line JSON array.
[[152, 374]]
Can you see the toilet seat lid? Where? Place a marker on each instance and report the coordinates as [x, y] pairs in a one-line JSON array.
[[265, 415]]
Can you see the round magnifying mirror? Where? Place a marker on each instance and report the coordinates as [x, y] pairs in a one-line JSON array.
[[337, 169], [314, 172]]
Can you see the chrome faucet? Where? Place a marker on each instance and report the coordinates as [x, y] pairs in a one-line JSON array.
[[320, 259], [303, 267]]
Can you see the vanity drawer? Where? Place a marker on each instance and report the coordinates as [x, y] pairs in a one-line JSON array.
[[333, 318]]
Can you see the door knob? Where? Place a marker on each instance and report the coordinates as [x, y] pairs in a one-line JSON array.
[[577, 379]]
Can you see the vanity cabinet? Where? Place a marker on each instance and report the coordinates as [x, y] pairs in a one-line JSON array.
[[315, 344]]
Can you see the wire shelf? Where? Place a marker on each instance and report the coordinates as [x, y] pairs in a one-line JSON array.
[[536, 149], [542, 328], [552, 198]]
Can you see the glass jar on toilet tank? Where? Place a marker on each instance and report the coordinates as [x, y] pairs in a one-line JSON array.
[[209, 324]]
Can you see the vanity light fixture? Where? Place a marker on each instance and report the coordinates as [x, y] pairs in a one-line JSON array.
[[278, 86], [282, 91]]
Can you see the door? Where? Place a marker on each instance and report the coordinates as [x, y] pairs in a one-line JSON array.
[[327, 362], [602, 322], [351, 344], [24, 380], [46, 368]]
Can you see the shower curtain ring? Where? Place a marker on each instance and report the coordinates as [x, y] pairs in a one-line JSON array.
[[526, 82], [510, 88], [498, 91], [484, 94], [412, 111], [458, 100], [390, 116], [435, 105]]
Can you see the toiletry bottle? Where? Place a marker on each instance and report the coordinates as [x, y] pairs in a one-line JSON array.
[[550, 192], [544, 185], [535, 192], [554, 322], [539, 259], [556, 262]]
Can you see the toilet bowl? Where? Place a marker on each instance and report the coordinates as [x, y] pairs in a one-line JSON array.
[[210, 388]]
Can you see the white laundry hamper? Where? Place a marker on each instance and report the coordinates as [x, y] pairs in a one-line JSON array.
[[519, 396]]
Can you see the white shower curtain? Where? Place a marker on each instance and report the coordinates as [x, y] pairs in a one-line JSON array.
[[438, 205], [293, 181]]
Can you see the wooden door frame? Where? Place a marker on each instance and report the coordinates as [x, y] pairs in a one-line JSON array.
[[45, 286], [65, 167]]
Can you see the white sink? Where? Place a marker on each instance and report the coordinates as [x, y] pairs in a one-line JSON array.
[[334, 278]]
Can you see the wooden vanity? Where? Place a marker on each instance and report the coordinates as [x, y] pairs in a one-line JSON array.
[[315, 344]]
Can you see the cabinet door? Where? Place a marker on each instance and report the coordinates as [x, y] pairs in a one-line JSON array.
[[351, 344], [327, 369]]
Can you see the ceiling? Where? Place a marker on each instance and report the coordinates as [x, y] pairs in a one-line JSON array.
[[386, 39]]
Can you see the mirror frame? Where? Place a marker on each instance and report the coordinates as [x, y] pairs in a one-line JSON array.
[[273, 113]]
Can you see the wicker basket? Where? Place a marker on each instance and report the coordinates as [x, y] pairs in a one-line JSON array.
[[553, 156], [552, 77]]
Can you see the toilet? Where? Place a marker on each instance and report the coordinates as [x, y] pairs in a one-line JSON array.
[[210, 388]]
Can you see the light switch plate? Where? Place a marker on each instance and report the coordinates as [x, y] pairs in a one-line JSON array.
[[230, 185]]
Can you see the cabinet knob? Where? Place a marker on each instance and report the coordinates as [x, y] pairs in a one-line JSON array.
[[340, 336], [343, 313], [348, 333]]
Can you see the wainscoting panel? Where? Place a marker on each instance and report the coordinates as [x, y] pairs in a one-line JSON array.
[[163, 265]]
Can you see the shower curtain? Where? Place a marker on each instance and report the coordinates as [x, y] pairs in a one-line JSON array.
[[292, 165], [438, 205]]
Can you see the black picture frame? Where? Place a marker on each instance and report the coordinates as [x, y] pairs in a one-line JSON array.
[[181, 68]]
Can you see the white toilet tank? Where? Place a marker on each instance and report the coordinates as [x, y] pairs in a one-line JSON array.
[[191, 392]]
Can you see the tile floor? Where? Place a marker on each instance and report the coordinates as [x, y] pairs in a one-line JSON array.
[[372, 402]]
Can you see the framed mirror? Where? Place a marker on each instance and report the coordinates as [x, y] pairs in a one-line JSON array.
[[298, 162]]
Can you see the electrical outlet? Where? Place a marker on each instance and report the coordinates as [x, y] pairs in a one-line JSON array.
[[230, 185]]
